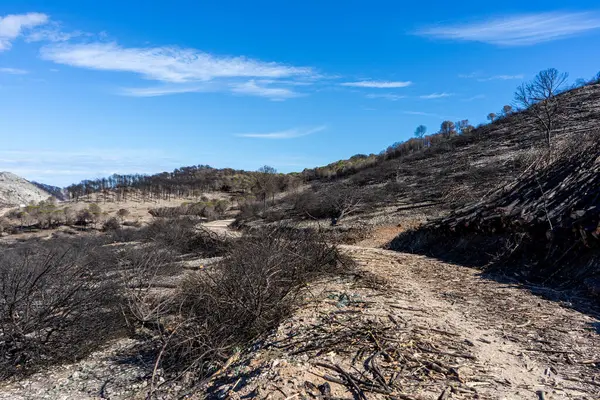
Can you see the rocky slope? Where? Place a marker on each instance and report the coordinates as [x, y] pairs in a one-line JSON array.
[[15, 190]]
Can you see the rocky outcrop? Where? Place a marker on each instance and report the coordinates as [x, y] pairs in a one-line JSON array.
[[15, 191]]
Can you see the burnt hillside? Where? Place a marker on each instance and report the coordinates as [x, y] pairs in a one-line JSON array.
[[544, 226], [457, 170]]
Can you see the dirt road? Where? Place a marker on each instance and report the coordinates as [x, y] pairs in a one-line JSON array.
[[526, 345], [417, 328]]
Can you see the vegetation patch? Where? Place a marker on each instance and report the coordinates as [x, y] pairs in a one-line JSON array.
[[56, 303], [220, 309]]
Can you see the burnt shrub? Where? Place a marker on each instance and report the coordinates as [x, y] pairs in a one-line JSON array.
[[337, 201], [211, 210], [254, 288], [312, 204], [142, 269], [250, 210], [184, 236], [166, 212], [112, 224], [56, 303]]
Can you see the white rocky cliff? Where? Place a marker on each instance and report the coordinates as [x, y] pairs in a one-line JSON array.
[[15, 190]]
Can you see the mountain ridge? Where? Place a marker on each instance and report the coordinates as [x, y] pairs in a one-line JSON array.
[[15, 190]]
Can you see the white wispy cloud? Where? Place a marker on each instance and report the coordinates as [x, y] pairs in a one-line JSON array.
[[166, 64], [184, 70], [435, 96], [387, 96], [285, 82], [427, 114], [13, 25], [378, 84], [484, 78], [501, 78], [53, 33], [287, 134], [251, 88], [476, 97], [13, 71], [154, 91], [518, 30]]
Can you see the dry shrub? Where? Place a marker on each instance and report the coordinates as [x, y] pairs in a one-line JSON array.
[[182, 235], [112, 224], [211, 210], [55, 304], [337, 201], [249, 210], [166, 212], [5, 225], [247, 294], [141, 270]]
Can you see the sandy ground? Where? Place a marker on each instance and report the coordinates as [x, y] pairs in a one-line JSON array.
[[138, 213], [453, 335], [220, 226], [416, 327]]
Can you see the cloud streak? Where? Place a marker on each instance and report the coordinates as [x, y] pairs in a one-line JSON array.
[[435, 96], [483, 78], [184, 70], [13, 71], [155, 91], [287, 134], [378, 84], [476, 97], [501, 78], [251, 88], [12, 26], [166, 64], [386, 96], [518, 30], [426, 114]]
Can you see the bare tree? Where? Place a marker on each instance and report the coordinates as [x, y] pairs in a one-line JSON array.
[[540, 98], [507, 110], [491, 117], [420, 131], [343, 200], [579, 83], [266, 183], [448, 128], [464, 126]]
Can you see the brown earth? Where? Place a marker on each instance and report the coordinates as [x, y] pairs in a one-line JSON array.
[[433, 329], [403, 326]]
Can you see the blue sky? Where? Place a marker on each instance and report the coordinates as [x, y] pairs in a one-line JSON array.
[[88, 89]]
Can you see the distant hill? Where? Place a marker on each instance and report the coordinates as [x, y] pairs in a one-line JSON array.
[[53, 190], [15, 190]]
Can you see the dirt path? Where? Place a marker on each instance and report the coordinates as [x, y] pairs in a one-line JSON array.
[[527, 345], [434, 331], [220, 226]]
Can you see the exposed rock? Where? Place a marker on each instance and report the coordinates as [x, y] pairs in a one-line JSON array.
[[15, 190]]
